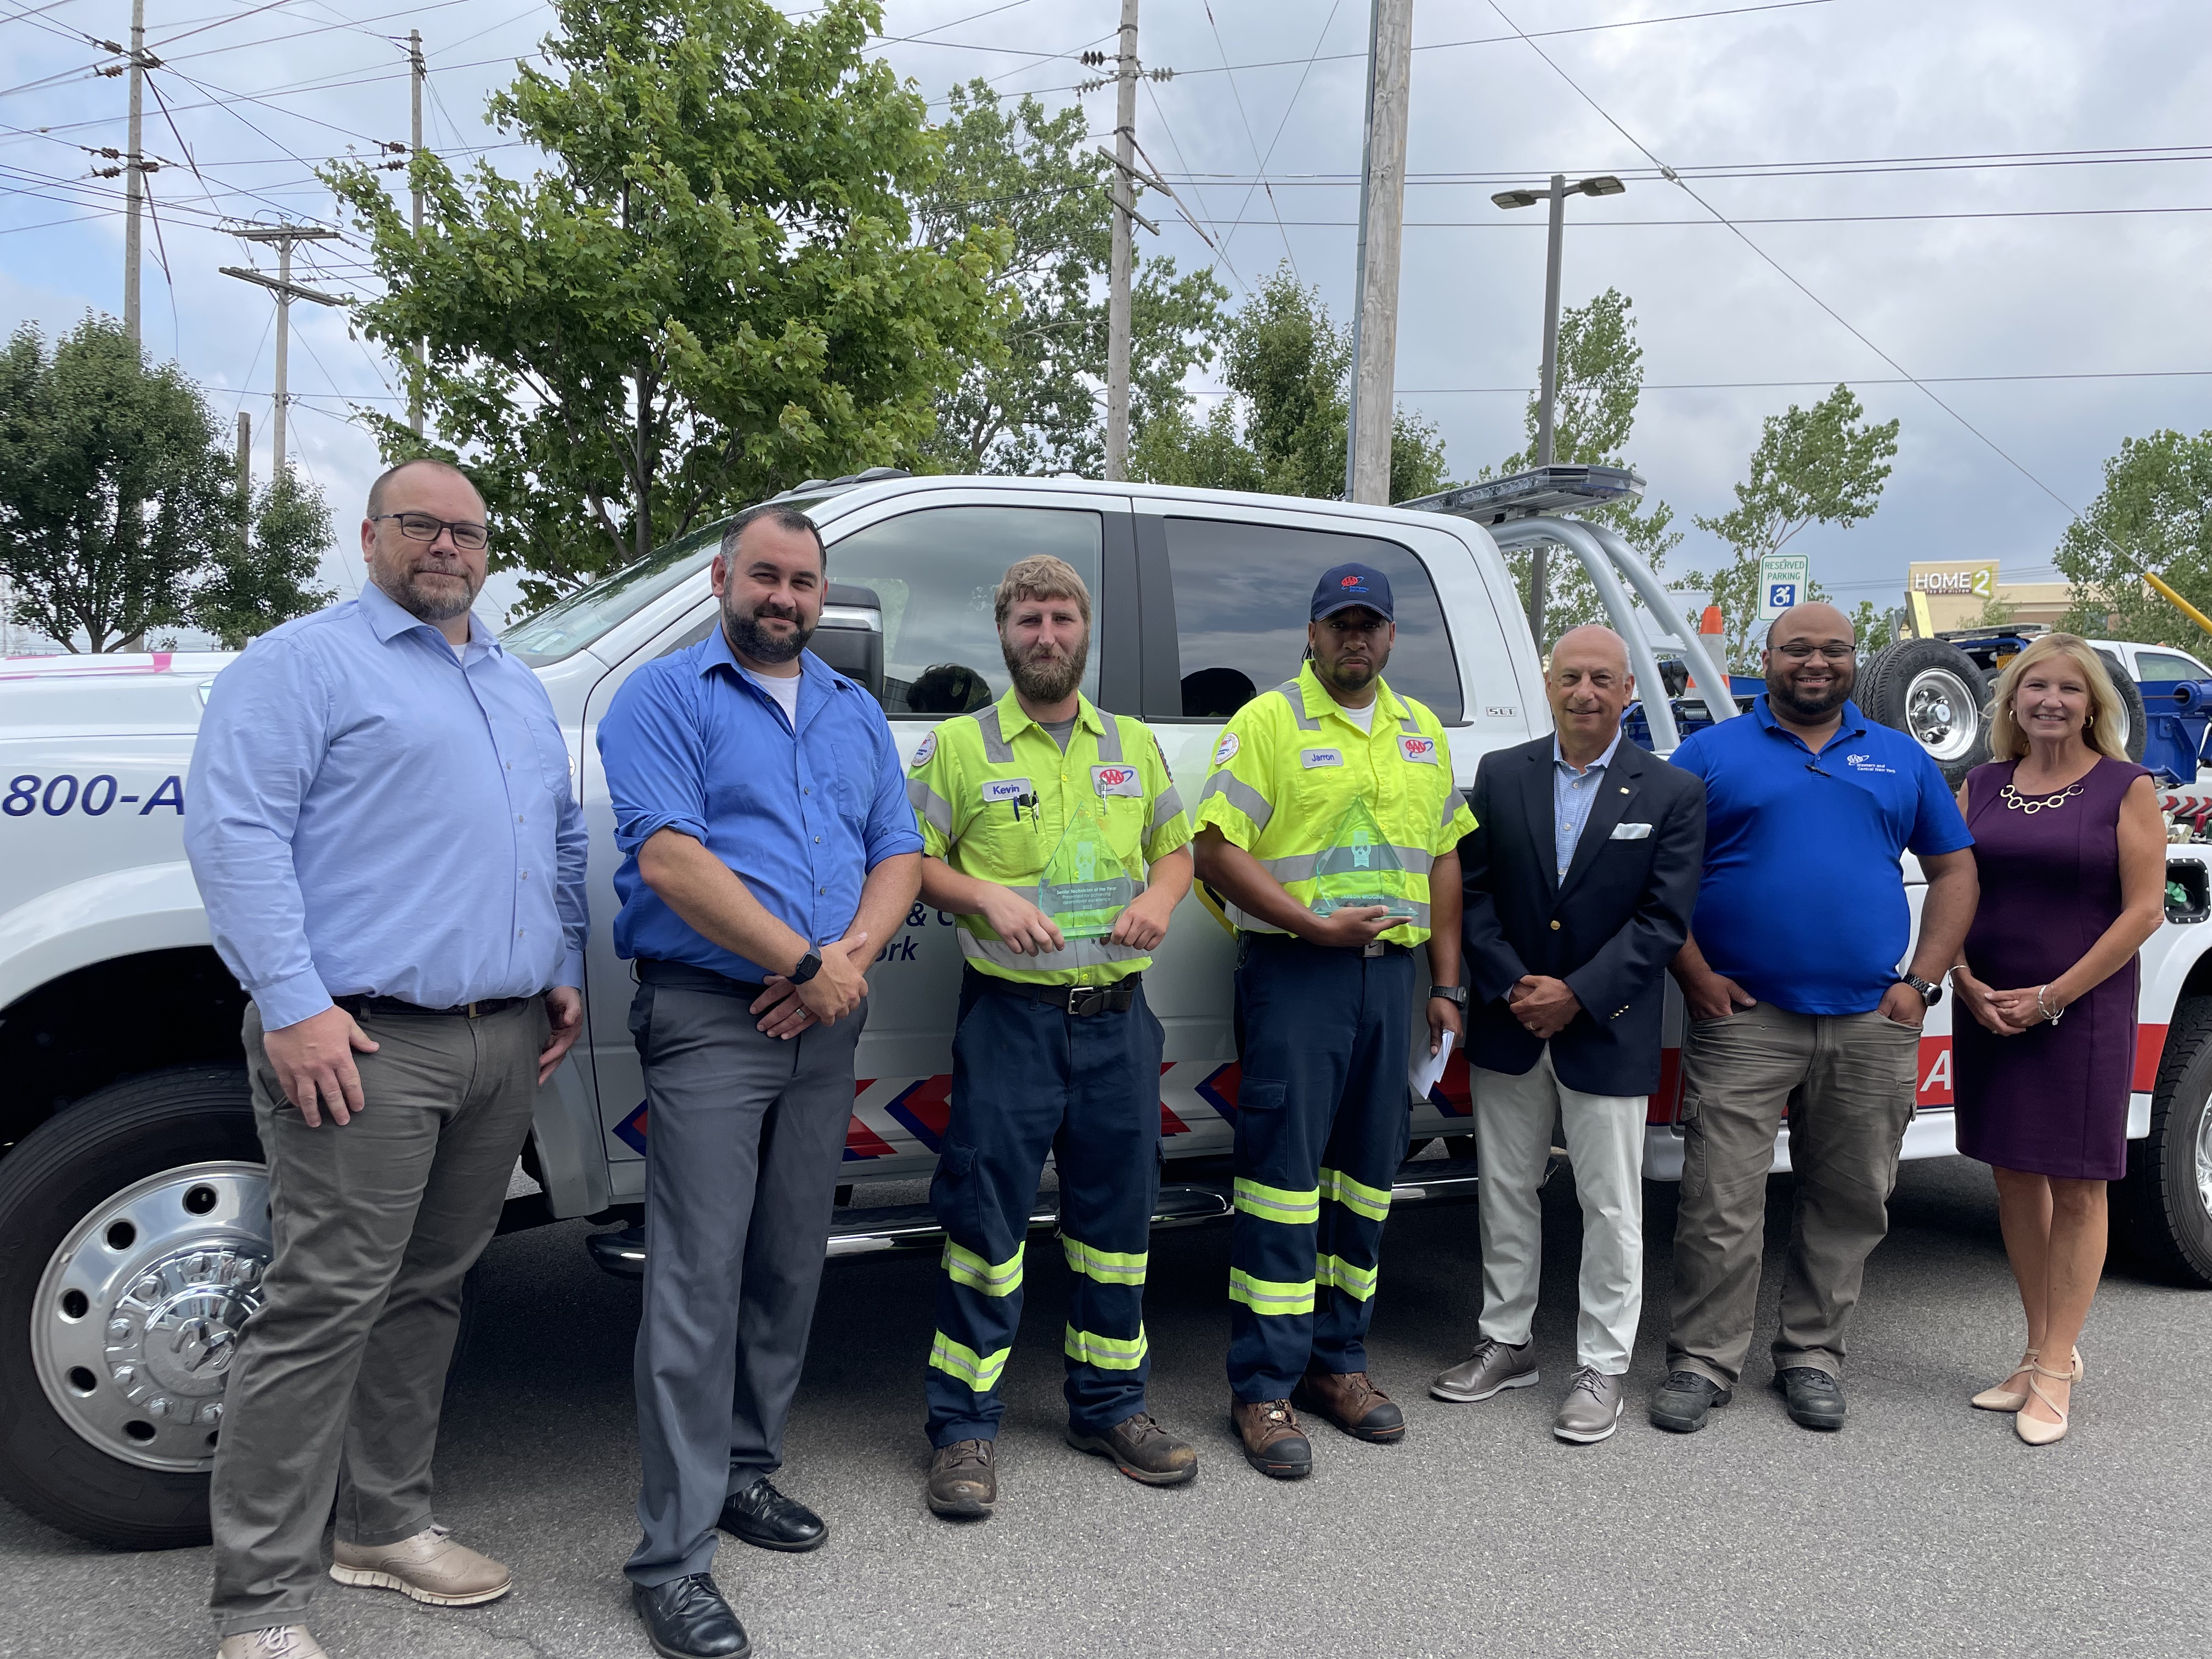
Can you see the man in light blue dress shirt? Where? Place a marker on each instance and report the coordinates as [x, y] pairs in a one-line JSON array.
[[380, 820], [769, 855]]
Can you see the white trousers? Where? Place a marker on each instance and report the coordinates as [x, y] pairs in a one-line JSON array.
[[1513, 1118]]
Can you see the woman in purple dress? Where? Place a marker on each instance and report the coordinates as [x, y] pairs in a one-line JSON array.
[[2071, 852]]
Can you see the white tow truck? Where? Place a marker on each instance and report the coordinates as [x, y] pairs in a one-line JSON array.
[[132, 1198]]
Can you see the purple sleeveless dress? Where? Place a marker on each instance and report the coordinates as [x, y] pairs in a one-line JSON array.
[[2054, 1100]]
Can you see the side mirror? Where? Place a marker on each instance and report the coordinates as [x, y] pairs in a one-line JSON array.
[[850, 637]]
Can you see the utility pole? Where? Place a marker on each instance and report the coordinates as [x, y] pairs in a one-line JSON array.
[[1382, 230], [1125, 205], [286, 291], [415, 143], [134, 167], [245, 481]]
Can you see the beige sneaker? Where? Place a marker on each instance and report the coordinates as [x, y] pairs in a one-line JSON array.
[[427, 1567], [279, 1642]]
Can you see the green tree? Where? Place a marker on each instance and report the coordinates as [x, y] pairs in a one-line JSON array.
[[114, 492], [267, 576], [1826, 465], [1283, 429], [2154, 514], [1871, 628], [712, 290], [1601, 383], [1037, 178]]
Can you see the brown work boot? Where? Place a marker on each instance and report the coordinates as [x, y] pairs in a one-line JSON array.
[[1141, 1449], [277, 1641], [1275, 1444], [1355, 1405], [964, 1482], [427, 1567]]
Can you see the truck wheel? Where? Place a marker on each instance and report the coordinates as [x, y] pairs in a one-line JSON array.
[[2135, 722], [134, 1228], [2164, 1206], [1931, 691]]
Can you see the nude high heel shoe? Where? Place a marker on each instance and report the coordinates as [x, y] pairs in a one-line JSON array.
[[2002, 1398], [2034, 1430]]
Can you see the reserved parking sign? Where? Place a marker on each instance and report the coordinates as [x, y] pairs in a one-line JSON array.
[[1782, 580]]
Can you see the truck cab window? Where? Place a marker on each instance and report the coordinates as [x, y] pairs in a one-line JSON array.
[[937, 573], [1243, 592]]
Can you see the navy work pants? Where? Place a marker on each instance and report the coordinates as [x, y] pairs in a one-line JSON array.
[[1323, 1113], [1030, 1079]]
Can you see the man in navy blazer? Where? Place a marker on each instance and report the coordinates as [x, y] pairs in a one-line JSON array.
[[1580, 879]]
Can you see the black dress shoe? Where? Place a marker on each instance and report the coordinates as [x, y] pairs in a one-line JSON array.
[[761, 1516], [1815, 1399], [1682, 1402], [687, 1619]]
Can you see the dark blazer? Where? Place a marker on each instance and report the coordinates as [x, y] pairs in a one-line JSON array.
[[1608, 930]]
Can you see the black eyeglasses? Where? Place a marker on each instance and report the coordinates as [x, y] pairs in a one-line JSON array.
[[422, 527], [1798, 651]]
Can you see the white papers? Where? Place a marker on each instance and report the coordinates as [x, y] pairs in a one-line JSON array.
[[1427, 1069]]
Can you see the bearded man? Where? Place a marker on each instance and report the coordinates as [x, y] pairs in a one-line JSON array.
[[1053, 833], [769, 853], [380, 822]]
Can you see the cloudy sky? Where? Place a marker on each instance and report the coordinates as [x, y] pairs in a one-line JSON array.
[[2009, 199]]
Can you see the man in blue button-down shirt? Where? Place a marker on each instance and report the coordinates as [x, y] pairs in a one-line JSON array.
[[769, 853], [380, 821]]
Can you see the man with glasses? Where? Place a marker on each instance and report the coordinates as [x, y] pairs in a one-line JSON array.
[[1799, 1009], [380, 821]]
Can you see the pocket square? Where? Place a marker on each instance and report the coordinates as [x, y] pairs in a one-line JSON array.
[[1630, 832]]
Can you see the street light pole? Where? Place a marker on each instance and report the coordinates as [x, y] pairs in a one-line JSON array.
[[1382, 231], [1547, 392]]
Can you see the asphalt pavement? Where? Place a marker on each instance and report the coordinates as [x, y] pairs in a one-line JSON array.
[[1923, 1527]]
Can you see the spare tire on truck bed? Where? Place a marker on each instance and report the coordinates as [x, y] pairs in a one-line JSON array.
[[1932, 691]]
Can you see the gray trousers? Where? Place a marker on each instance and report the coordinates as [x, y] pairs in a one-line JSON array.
[[1605, 1143], [340, 1374], [1845, 1083], [745, 1135]]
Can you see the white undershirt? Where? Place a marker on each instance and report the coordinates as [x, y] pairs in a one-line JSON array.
[[1362, 718], [784, 688]]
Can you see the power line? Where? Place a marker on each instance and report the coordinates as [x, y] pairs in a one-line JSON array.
[[1252, 139], [1730, 224]]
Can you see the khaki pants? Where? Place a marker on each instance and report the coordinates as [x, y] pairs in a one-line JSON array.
[[1845, 1084], [340, 1371], [1605, 1143]]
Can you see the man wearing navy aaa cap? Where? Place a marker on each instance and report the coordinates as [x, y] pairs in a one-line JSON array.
[[1329, 827]]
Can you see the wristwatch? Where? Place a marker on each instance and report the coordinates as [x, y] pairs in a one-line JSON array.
[[1450, 993], [809, 965], [1931, 994]]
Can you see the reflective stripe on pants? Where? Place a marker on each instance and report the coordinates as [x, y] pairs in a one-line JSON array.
[[1029, 1081], [1321, 1118]]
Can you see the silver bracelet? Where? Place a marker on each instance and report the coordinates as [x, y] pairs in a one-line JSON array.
[[2048, 1013]]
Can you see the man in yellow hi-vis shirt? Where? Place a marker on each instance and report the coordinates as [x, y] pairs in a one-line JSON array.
[[1330, 828], [1054, 834]]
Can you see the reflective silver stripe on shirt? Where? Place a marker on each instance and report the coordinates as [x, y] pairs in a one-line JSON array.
[[996, 749], [1302, 867], [1164, 808], [1451, 807], [933, 808], [1409, 725], [1241, 795], [1110, 739], [1293, 694]]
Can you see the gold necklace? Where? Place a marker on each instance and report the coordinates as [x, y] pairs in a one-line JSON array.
[[2031, 804]]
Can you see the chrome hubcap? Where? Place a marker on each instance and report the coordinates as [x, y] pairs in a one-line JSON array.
[[1942, 714], [2204, 1159], [138, 1316]]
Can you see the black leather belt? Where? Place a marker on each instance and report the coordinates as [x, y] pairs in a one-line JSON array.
[[689, 976], [1114, 998], [387, 1007]]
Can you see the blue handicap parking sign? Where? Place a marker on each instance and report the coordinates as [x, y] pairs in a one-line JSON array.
[[1781, 595]]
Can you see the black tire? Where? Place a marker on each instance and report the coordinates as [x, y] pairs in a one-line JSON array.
[[1932, 691], [67, 1170], [2163, 1209], [2138, 732]]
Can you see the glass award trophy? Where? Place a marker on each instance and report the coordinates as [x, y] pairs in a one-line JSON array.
[[1084, 886], [1352, 869]]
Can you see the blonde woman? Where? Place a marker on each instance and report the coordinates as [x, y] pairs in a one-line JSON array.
[[2071, 851]]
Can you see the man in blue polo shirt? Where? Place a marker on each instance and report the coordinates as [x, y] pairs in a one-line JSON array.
[[769, 853], [1798, 1008]]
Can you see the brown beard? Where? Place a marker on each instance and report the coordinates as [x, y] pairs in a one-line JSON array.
[[747, 637], [424, 605], [1046, 681]]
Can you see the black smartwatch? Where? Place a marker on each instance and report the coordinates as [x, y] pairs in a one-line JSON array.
[[1931, 994], [809, 965], [1450, 993]]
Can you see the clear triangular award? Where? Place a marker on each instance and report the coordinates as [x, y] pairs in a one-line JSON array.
[[1085, 886], [1359, 866]]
